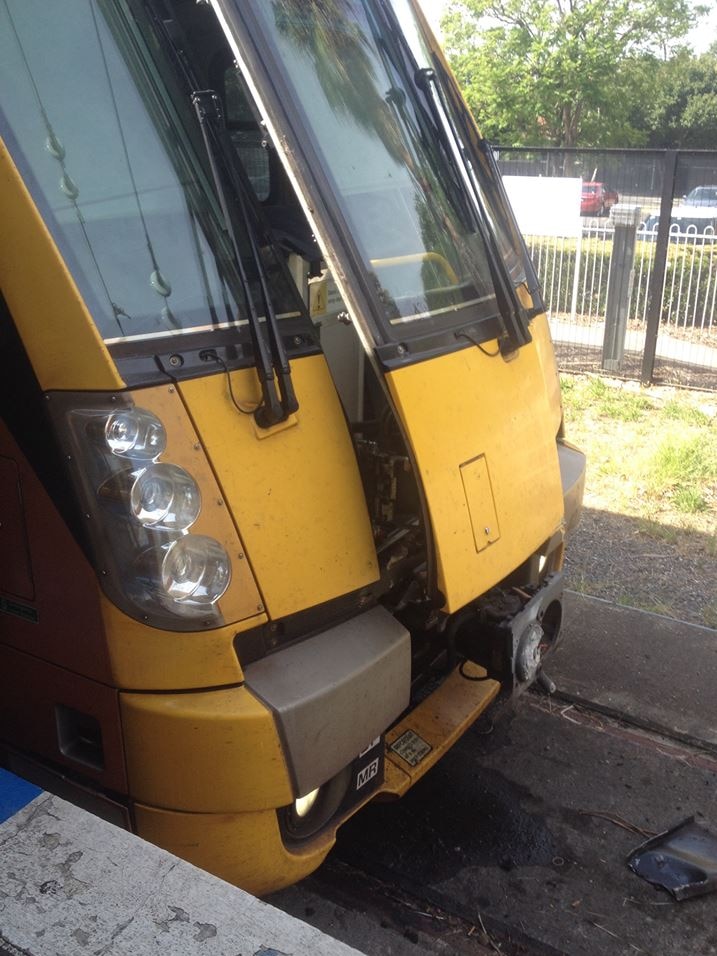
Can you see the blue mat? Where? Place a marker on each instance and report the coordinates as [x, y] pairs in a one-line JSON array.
[[15, 793]]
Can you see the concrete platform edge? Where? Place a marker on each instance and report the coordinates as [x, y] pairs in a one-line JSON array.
[[72, 883]]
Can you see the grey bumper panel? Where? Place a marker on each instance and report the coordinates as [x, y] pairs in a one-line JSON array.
[[334, 693]]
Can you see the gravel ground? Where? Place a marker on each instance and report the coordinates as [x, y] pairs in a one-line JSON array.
[[612, 556]]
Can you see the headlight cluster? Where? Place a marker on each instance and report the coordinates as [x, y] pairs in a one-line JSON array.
[[141, 510]]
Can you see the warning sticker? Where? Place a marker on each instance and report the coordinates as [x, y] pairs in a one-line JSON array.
[[411, 748]]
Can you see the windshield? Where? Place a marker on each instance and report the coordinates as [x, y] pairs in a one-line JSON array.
[[396, 184], [99, 122]]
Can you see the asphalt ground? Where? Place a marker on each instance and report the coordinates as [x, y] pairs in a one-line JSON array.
[[517, 840]]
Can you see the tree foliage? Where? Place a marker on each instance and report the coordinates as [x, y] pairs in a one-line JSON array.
[[562, 72], [682, 110]]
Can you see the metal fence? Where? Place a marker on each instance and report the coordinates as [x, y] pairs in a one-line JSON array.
[[633, 297]]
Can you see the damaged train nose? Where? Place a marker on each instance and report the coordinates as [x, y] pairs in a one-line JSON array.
[[512, 631]]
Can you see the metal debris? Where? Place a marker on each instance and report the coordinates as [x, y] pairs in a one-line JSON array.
[[682, 860]]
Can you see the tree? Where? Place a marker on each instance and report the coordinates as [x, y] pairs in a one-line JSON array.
[[682, 112], [561, 72]]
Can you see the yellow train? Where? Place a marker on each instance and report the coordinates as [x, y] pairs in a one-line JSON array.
[[284, 484]]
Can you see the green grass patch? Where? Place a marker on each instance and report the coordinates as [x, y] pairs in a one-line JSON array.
[[658, 532], [689, 500], [624, 406], [684, 468], [604, 400], [686, 460], [679, 411]]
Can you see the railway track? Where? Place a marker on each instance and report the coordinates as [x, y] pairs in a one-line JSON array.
[[516, 843]]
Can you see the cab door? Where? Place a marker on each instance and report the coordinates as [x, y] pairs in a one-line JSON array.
[[359, 107]]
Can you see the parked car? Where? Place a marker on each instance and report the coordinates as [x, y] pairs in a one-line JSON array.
[[701, 196], [687, 224], [597, 199]]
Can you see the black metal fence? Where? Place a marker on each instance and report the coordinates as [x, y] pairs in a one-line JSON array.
[[634, 293]]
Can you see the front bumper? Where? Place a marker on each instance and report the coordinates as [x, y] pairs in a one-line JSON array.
[[247, 849], [572, 477]]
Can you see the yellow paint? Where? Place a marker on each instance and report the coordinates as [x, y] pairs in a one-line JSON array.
[[147, 658], [540, 330], [481, 507], [209, 752], [463, 405], [58, 333], [439, 720], [296, 494], [241, 848]]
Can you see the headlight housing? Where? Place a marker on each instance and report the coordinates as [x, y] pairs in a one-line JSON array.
[[140, 511]]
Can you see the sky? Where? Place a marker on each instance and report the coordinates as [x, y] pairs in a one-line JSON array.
[[700, 38]]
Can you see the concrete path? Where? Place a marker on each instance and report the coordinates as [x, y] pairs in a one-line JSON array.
[[72, 884], [653, 671], [668, 346]]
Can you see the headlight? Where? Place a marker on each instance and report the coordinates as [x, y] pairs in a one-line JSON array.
[[165, 496], [195, 570], [303, 805], [310, 813], [135, 433], [139, 511]]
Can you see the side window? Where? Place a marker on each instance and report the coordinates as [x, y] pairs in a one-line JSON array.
[[244, 133]]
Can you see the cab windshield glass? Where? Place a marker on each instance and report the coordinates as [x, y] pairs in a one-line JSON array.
[[386, 157], [100, 123]]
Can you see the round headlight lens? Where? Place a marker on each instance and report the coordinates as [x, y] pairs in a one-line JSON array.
[[135, 433], [196, 570], [165, 496]]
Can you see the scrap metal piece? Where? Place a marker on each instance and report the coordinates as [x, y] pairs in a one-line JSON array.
[[682, 860]]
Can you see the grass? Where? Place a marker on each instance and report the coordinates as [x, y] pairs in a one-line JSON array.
[[652, 453], [685, 468], [649, 533], [679, 410]]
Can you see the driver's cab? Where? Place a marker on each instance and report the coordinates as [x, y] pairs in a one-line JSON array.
[[281, 426]]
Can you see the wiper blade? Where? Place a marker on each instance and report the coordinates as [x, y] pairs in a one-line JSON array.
[[427, 80], [273, 409], [531, 279]]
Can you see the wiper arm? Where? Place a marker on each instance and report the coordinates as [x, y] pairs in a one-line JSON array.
[[272, 409], [531, 278], [427, 80]]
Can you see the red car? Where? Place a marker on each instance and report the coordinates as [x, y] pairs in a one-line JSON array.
[[597, 199]]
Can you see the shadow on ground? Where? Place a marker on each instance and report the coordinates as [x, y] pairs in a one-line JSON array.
[[644, 565]]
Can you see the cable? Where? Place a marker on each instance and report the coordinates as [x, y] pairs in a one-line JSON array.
[[477, 344], [211, 355]]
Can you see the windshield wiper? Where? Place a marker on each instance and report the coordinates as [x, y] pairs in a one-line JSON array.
[[427, 80], [530, 277], [269, 362]]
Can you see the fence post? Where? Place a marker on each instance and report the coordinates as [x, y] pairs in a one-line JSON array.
[[625, 219], [654, 306]]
